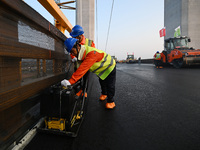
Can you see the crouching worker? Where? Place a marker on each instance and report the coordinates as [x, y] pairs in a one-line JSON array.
[[96, 61]]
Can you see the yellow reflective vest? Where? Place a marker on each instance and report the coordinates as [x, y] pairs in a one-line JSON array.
[[104, 67], [158, 56], [88, 42]]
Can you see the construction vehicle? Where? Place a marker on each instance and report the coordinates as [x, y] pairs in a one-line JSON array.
[[114, 58], [178, 53], [130, 58]]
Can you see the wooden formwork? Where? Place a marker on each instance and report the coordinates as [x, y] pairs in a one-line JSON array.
[[17, 99]]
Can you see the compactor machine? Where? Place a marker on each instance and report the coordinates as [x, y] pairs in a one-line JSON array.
[[178, 53], [130, 59]]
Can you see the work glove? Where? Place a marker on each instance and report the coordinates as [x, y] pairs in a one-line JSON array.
[[74, 59], [65, 83]]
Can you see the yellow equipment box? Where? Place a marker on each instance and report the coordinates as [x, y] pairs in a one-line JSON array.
[[56, 123]]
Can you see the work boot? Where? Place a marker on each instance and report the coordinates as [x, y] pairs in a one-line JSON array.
[[79, 93], [160, 67], [110, 105], [156, 66], [103, 97]]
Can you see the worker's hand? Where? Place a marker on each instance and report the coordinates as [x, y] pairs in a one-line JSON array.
[[65, 83], [74, 59]]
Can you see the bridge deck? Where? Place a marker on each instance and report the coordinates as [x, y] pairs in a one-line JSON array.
[[155, 109]]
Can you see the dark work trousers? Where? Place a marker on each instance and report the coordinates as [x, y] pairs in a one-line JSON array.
[[108, 85], [158, 63]]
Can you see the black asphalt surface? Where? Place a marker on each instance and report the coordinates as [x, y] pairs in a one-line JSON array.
[[156, 109]]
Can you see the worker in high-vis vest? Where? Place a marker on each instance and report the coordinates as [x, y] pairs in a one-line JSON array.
[[77, 32], [158, 59], [96, 61]]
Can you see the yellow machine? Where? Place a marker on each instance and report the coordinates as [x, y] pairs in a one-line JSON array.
[[130, 58], [55, 123], [62, 109], [59, 124]]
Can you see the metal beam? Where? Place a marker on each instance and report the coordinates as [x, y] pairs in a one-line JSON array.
[[55, 11], [65, 3], [67, 7]]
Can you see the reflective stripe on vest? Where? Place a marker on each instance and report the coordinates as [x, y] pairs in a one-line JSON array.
[[104, 67], [158, 56], [88, 42]]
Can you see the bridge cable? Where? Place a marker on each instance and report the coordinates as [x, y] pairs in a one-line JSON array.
[[96, 26], [109, 25]]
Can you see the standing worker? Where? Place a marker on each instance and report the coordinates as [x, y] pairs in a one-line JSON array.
[[158, 59], [139, 60], [77, 32], [96, 61]]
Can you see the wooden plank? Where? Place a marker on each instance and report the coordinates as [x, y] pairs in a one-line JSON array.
[[17, 28], [22, 8], [14, 96], [8, 25], [16, 49], [9, 76]]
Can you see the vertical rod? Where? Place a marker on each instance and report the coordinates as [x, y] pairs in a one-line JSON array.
[[38, 68], [44, 67]]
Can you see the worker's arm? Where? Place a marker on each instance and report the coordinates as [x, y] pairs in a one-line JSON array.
[[90, 59]]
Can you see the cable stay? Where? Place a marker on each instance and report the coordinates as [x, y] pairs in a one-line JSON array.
[[96, 26], [109, 25]]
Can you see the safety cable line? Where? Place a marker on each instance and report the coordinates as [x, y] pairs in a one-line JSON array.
[[109, 25], [96, 26]]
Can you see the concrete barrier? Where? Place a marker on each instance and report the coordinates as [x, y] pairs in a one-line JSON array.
[[149, 61]]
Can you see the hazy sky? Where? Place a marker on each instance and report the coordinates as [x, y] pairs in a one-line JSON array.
[[134, 26]]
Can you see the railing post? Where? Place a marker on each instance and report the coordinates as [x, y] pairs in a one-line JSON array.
[[38, 68], [44, 67]]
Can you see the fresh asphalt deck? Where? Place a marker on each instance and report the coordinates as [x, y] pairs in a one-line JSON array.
[[156, 109]]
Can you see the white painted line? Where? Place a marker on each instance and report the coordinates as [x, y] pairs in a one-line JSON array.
[[28, 137]]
